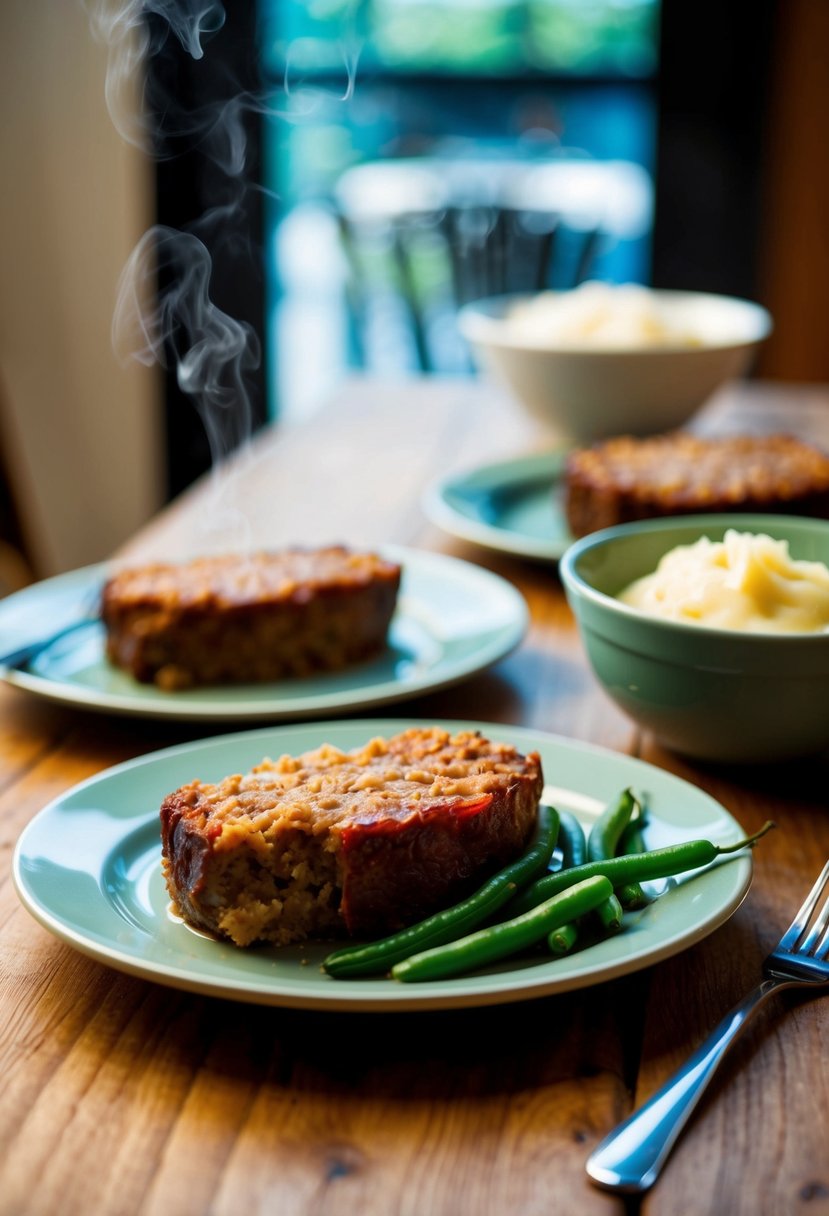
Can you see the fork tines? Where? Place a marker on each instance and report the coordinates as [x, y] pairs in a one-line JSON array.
[[800, 938]]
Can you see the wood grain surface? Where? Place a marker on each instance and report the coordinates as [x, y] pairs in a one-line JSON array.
[[121, 1096]]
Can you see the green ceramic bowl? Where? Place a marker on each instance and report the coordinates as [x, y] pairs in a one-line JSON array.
[[714, 694]]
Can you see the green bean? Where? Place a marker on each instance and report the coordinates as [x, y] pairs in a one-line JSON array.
[[631, 896], [604, 839], [632, 867], [609, 914], [631, 840], [375, 958], [509, 937], [573, 846], [571, 841], [574, 852], [562, 940]]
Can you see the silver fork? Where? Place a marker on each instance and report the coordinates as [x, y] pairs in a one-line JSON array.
[[631, 1157]]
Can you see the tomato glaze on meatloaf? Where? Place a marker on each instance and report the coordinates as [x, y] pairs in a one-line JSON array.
[[249, 618], [362, 843]]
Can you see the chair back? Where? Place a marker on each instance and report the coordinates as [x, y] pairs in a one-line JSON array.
[[419, 267]]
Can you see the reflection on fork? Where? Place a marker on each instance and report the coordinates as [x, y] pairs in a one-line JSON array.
[[631, 1157]]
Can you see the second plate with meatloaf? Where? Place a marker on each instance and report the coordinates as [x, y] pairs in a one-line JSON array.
[[512, 507], [453, 619]]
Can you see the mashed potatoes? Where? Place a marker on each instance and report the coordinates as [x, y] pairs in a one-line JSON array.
[[747, 582], [599, 315]]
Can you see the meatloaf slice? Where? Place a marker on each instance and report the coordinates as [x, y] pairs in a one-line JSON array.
[[238, 619], [627, 478], [362, 842]]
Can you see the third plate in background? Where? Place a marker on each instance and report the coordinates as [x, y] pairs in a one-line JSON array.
[[514, 506]]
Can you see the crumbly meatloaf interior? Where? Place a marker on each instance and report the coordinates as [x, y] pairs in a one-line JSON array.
[[237, 619], [335, 842], [628, 478]]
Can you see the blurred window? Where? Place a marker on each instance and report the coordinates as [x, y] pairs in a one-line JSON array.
[[354, 81]]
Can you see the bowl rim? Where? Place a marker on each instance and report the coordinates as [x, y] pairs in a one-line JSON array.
[[478, 324], [576, 585]]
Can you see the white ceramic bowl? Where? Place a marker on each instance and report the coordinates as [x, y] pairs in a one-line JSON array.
[[584, 393]]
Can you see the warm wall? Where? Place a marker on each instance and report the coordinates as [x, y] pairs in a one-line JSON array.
[[794, 258], [79, 431]]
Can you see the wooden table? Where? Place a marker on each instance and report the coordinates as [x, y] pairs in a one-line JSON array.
[[121, 1096]]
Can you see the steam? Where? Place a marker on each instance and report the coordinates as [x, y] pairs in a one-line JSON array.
[[152, 122], [164, 314], [179, 326], [123, 27]]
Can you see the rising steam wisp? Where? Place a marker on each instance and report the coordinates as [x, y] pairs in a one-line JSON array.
[[164, 315]]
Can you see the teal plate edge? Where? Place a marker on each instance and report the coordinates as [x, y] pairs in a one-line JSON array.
[[512, 506]]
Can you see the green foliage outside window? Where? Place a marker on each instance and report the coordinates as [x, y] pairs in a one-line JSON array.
[[610, 38]]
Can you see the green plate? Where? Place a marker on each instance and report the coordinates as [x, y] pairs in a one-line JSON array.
[[87, 867], [453, 619], [514, 506]]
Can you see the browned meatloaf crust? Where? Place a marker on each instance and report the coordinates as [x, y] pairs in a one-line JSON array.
[[359, 842], [626, 478], [236, 619]]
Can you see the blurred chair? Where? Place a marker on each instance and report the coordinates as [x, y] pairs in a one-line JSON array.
[[424, 236]]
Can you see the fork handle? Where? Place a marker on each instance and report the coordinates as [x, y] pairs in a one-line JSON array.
[[631, 1157]]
